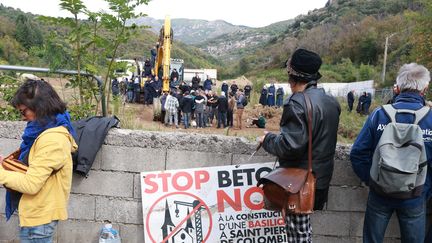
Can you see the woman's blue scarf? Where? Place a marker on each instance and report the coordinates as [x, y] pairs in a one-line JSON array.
[[31, 132]]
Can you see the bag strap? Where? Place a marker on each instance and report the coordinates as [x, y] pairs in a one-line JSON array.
[[419, 114], [309, 119]]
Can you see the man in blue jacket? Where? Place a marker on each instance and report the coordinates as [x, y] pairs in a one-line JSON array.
[[412, 81], [208, 84]]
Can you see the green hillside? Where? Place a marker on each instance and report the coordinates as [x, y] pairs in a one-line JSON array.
[[232, 46], [25, 44], [350, 36]]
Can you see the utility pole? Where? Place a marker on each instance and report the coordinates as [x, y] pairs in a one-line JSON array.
[[385, 60], [385, 57]]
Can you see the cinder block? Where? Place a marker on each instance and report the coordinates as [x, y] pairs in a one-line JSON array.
[[331, 223], [190, 159], [8, 146], [352, 199], [119, 211], [2, 199], [82, 207], [73, 231], [334, 239], [98, 160], [132, 159], [9, 231], [104, 183], [132, 233], [357, 220], [343, 174], [392, 240], [137, 187], [243, 159]]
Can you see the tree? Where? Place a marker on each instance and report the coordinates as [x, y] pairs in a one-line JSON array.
[[27, 33], [243, 66], [76, 7], [422, 36], [118, 33]]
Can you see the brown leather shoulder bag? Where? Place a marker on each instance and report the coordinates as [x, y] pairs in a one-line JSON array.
[[291, 190], [12, 163]]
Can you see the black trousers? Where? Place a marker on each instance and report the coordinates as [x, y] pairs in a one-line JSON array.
[[321, 196]]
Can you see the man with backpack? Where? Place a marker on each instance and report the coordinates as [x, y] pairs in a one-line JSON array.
[[241, 103], [389, 155]]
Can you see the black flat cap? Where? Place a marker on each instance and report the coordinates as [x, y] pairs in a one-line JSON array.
[[305, 65]]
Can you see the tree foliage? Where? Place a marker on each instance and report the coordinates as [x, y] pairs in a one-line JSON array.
[[118, 33], [27, 33], [421, 39]]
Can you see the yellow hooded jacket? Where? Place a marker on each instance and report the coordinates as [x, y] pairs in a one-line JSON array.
[[46, 185]]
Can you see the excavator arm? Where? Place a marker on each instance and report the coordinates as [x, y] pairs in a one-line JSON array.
[[164, 54]]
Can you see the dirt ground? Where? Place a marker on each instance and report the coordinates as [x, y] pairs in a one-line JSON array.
[[144, 117]]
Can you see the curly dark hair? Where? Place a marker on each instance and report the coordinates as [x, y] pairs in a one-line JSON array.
[[40, 97]]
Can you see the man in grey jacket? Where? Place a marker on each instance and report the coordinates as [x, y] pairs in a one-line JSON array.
[[291, 144]]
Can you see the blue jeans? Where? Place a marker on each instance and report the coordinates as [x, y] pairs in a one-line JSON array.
[[411, 222], [38, 234], [130, 96], [222, 119], [186, 117], [200, 119]]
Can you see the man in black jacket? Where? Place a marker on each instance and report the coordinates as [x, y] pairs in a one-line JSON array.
[[222, 110], [196, 82], [291, 144], [186, 105], [350, 99]]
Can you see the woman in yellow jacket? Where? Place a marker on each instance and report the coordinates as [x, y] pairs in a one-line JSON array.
[[42, 193]]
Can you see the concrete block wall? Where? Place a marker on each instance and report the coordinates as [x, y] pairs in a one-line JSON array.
[[112, 189]]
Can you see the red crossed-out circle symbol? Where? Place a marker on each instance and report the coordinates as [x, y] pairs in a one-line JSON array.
[[195, 208]]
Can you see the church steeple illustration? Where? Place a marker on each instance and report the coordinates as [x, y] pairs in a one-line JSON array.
[[189, 227], [168, 225]]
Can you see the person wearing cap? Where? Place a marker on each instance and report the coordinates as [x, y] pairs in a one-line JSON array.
[[290, 146], [234, 88], [412, 82]]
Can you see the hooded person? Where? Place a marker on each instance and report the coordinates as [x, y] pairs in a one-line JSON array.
[[263, 97], [271, 95], [224, 87], [290, 145]]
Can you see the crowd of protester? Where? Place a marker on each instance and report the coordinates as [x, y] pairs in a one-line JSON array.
[[195, 104]]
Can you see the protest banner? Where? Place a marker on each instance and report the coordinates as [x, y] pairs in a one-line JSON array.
[[210, 204]]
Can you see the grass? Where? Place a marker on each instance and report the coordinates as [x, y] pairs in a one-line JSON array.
[[350, 123]]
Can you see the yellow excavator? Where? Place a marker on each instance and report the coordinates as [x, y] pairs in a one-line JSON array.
[[162, 63]]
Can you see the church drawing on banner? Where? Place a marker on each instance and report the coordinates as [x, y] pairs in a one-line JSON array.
[[183, 235]]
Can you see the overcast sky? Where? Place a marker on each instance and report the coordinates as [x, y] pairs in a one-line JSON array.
[[253, 13]]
